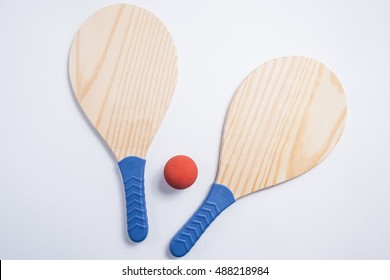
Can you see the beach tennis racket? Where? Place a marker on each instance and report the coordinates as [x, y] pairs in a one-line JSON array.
[[123, 70], [285, 118]]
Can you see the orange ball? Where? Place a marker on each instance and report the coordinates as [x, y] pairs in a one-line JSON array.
[[180, 172]]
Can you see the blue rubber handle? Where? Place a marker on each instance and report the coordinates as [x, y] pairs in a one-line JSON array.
[[218, 199], [132, 170]]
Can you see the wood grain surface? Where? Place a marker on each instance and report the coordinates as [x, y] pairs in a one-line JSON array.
[[286, 117], [123, 69]]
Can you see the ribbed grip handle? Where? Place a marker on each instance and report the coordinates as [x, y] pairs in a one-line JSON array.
[[132, 170], [218, 199]]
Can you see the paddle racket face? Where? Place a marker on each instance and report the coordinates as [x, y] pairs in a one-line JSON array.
[[123, 70], [285, 118]]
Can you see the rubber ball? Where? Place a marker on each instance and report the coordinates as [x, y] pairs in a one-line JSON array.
[[180, 172]]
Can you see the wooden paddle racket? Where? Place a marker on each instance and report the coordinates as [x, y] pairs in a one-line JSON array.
[[285, 118], [123, 70]]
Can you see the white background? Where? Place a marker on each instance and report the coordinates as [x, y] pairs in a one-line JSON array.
[[61, 195]]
